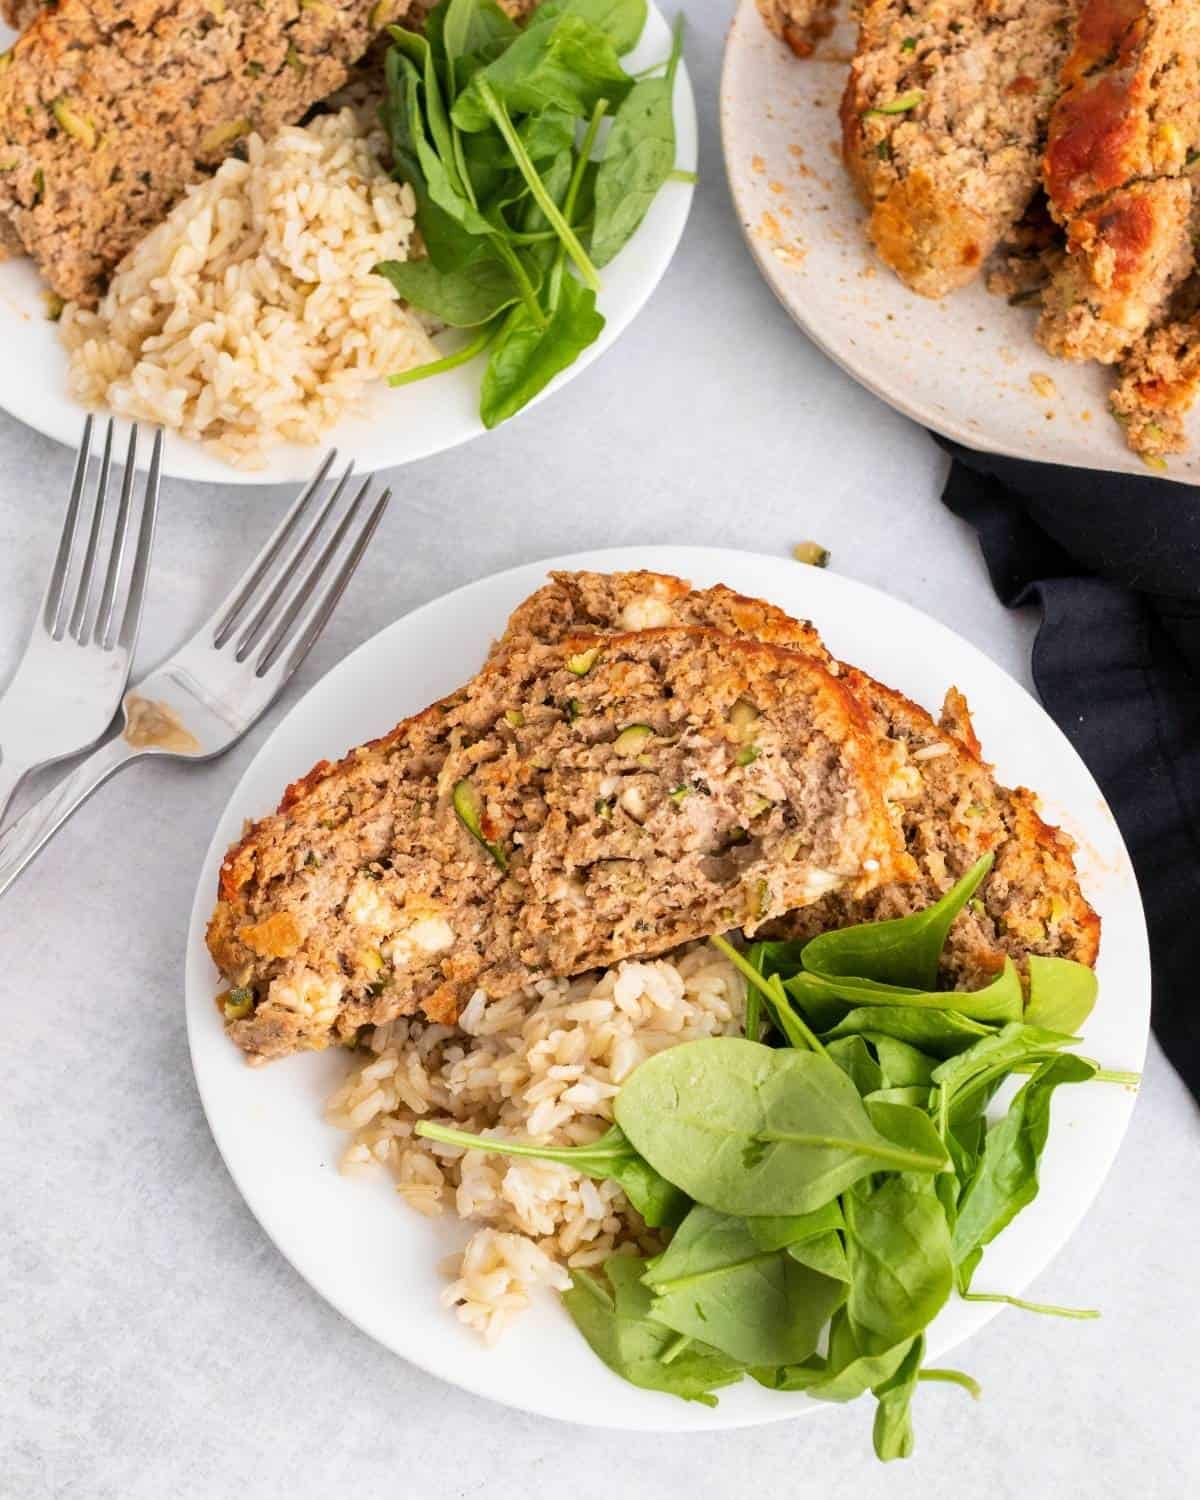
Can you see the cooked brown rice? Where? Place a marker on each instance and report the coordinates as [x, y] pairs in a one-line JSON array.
[[545, 1065], [251, 315]]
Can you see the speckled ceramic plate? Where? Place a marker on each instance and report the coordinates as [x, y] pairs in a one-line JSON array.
[[393, 427], [966, 366], [374, 1258]]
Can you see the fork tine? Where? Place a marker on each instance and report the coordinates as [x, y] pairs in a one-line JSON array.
[[116, 556], [321, 609], [304, 591], [242, 591], [288, 571], [132, 617], [83, 593], [57, 587]]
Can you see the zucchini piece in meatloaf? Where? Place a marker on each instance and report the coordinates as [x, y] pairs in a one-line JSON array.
[[1122, 139], [108, 112], [572, 805], [943, 122], [948, 804]]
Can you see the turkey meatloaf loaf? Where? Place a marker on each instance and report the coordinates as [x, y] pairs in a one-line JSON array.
[[108, 112], [573, 805], [949, 806], [1123, 137], [943, 123]]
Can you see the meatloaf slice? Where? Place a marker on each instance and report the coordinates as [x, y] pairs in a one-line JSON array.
[[108, 111], [943, 122], [575, 602], [955, 812], [947, 802], [572, 805], [1122, 135], [1125, 256], [1160, 379]]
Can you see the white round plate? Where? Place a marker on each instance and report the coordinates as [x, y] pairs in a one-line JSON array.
[[374, 1258], [961, 365], [394, 426]]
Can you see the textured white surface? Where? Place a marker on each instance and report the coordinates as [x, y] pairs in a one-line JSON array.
[[152, 1342]]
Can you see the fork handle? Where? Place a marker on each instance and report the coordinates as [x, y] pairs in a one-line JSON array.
[[12, 774], [35, 828]]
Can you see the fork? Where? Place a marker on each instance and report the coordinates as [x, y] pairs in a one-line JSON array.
[[205, 697], [70, 680]]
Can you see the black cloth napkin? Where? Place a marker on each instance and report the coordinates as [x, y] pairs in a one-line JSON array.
[[1114, 563]]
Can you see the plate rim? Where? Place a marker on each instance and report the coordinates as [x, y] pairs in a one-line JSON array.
[[747, 13], [651, 557]]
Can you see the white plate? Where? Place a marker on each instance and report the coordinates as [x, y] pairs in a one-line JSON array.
[[962, 365], [375, 1259], [394, 427]]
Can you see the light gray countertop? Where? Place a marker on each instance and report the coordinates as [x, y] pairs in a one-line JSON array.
[[153, 1343]]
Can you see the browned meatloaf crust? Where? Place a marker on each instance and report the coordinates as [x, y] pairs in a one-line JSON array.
[[943, 122], [1122, 137], [749, 786], [107, 112], [949, 805]]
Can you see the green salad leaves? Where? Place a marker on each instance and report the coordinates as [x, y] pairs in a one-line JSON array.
[[498, 129], [830, 1188]]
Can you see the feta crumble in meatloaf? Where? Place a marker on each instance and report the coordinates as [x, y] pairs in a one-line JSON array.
[[107, 112], [1122, 137], [627, 794], [947, 802], [943, 121]]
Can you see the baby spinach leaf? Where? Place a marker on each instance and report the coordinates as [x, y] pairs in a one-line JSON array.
[[610, 1157], [904, 951], [622, 21], [778, 1231], [849, 1370], [548, 134], [439, 178], [747, 1129], [854, 1058], [1062, 993], [909, 1127], [915, 1094], [1006, 1178], [622, 1333], [461, 298], [526, 358], [1002, 1000], [893, 1433], [940, 1032], [900, 1064], [468, 28], [759, 1306], [965, 1083], [638, 158], [901, 1267], [801, 1377], [825, 1253], [567, 62]]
